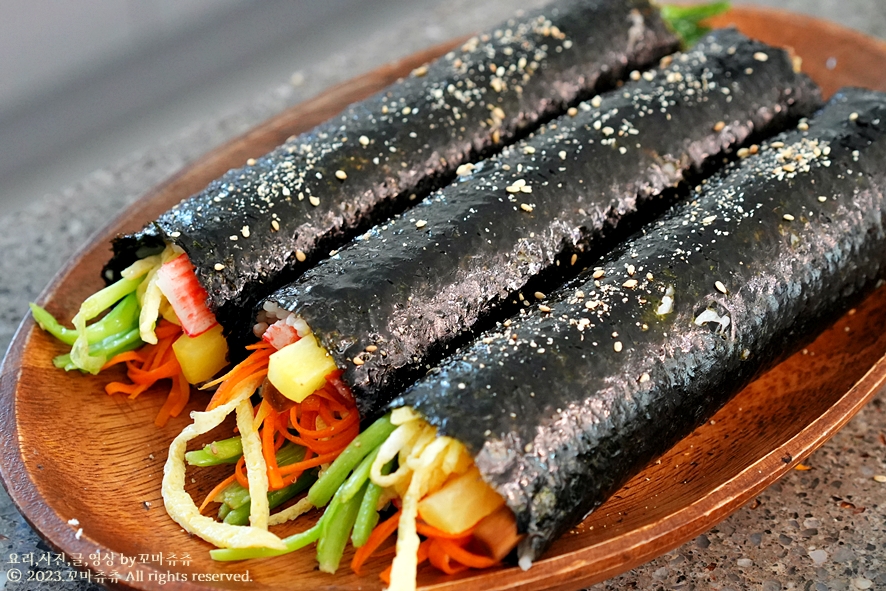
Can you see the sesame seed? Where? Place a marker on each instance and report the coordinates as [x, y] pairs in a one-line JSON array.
[[562, 154], [420, 71], [572, 112], [462, 386], [803, 125], [617, 346], [649, 276], [853, 116], [300, 256], [250, 161], [315, 201], [421, 223], [529, 150], [364, 141], [596, 102], [219, 266], [644, 378], [788, 217], [880, 478], [760, 56], [245, 231], [743, 153], [526, 207], [573, 259], [527, 448], [719, 125], [608, 130], [526, 189], [720, 287], [630, 283], [544, 308], [631, 270], [275, 225], [464, 169], [358, 361], [498, 113], [635, 75], [822, 199], [341, 175], [406, 110], [539, 295], [599, 273]]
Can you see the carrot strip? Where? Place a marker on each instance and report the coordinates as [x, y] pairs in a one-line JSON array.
[[464, 556], [125, 356], [217, 490], [432, 532], [259, 345], [442, 560], [275, 480], [240, 473], [381, 533]]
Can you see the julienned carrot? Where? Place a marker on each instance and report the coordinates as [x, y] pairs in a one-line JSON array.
[[462, 555], [269, 448], [432, 532], [255, 364], [381, 533], [146, 366], [217, 490], [442, 560]]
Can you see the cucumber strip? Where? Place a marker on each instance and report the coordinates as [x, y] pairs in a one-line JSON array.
[[120, 319], [103, 350], [367, 516], [240, 515], [336, 531], [331, 481]]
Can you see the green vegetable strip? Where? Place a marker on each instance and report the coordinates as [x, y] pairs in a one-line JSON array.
[[367, 516], [81, 354], [240, 515], [684, 20], [223, 511], [358, 449], [226, 451], [122, 319], [105, 298], [113, 345], [293, 543], [337, 530], [359, 477]]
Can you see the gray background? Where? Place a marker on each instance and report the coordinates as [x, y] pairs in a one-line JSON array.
[[102, 99]]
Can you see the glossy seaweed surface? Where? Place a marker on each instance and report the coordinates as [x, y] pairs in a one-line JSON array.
[[410, 288], [259, 226], [567, 401]]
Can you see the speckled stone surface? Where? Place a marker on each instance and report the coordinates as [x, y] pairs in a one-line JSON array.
[[819, 529]]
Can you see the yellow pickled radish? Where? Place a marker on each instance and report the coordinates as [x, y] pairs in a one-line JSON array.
[[201, 357], [469, 493], [297, 370]]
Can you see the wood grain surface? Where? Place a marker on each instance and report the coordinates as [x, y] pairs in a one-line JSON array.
[[69, 451]]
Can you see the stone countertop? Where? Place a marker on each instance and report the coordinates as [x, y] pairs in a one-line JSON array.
[[824, 528]]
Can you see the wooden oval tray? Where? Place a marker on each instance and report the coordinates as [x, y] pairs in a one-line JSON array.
[[104, 469]]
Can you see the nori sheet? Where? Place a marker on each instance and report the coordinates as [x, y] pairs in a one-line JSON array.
[[560, 408], [415, 286], [247, 231]]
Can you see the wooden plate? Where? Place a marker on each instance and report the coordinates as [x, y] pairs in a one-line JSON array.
[[71, 452]]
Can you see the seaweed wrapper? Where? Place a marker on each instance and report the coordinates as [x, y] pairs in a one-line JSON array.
[[258, 226], [522, 221], [564, 404]]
